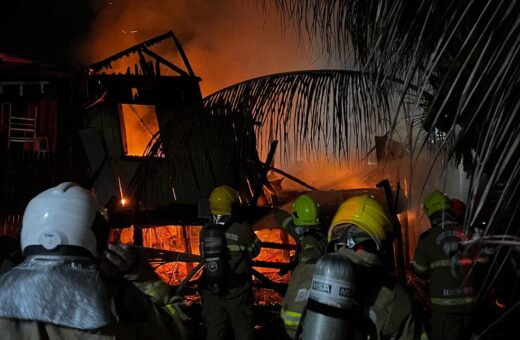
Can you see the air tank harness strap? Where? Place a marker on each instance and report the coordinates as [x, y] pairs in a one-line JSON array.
[[331, 311]]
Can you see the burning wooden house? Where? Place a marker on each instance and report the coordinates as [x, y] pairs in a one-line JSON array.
[[156, 152], [151, 162], [153, 150]]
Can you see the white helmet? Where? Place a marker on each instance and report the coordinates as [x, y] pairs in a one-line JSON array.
[[62, 215]]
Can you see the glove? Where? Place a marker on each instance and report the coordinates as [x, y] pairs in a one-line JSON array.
[[450, 245], [157, 290], [122, 256], [118, 259], [175, 307]]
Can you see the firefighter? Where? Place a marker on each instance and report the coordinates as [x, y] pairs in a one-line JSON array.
[[58, 291], [358, 231], [451, 288], [234, 301], [304, 226], [127, 261]]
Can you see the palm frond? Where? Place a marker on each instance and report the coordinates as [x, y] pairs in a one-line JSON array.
[[335, 111], [466, 53]]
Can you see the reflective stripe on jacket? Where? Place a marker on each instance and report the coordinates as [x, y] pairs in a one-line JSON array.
[[447, 288], [243, 245], [296, 296]]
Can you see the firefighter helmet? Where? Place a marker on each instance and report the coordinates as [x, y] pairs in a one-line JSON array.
[[62, 215], [305, 211], [458, 209], [436, 201], [365, 213], [221, 200]]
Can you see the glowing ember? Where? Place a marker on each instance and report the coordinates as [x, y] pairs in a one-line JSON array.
[[123, 200], [139, 124], [274, 255], [186, 240], [173, 238]]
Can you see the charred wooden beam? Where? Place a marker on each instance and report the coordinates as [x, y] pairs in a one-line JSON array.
[[154, 255], [187, 279], [280, 289], [160, 59], [175, 214], [107, 62], [401, 265], [287, 175], [282, 246], [292, 178], [263, 172], [160, 256], [275, 265], [183, 55]]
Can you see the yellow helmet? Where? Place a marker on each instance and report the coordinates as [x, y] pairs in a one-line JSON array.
[[221, 200], [364, 212]]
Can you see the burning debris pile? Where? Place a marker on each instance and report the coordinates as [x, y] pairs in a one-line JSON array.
[[183, 254]]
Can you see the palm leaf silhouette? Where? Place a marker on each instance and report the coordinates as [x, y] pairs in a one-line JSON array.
[[466, 53], [337, 111]]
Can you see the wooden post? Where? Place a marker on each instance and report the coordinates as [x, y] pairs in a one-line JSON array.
[[263, 173], [399, 258], [187, 245]]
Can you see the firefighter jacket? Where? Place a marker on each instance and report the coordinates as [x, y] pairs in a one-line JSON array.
[[63, 298], [385, 302], [310, 245], [158, 291], [296, 297], [451, 289], [243, 246]]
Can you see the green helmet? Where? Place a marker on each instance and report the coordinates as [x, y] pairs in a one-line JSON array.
[[436, 201], [305, 211]]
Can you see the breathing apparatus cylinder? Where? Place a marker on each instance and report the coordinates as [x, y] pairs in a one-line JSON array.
[[213, 249], [331, 308]]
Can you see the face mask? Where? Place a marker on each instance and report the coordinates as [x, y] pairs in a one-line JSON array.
[[300, 230]]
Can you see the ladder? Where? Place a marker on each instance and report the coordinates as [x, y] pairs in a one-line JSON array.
[[5, 111], [22, 129]]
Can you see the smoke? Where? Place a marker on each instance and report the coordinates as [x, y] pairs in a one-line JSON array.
[[226, 41], [230, 41]]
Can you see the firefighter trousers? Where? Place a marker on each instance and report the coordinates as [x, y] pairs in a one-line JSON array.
[[451, 326], [237, 307]]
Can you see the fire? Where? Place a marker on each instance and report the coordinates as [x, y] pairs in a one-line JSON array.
[[174, 238], [186, 240], [123, 199], [138, 125], [274, 255]]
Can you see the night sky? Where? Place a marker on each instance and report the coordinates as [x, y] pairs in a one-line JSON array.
[[47, 31], [227, 41]]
